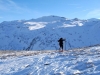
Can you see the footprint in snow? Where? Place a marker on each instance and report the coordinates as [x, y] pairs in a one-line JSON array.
[[60, 73]]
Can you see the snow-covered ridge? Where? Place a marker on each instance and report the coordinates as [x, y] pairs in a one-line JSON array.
[[43, 33]]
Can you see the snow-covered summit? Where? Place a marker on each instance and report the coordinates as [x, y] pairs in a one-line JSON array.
[[43, 33], [51, 18]]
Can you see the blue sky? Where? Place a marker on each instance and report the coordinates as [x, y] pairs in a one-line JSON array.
[[28, 9]]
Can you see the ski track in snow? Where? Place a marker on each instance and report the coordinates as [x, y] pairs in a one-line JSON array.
[[85, 61]]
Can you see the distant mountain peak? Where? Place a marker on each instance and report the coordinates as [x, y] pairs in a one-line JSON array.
[[93, 19], [42, 33], [76, 19]]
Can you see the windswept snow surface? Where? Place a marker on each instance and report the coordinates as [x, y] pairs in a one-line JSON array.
[[84, 61]]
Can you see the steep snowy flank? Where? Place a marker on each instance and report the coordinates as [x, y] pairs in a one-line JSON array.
[[43, 33]]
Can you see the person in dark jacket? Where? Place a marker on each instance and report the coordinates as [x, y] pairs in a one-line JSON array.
[[61, 43]]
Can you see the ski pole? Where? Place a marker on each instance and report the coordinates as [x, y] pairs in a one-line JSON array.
[[65, 44]]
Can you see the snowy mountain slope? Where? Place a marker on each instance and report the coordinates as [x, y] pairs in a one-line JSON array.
[[83, 61], [43, 33]]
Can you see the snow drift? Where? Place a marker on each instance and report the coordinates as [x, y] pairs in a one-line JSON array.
[[83, 61]]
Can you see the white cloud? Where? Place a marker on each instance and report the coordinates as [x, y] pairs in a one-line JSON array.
[[6, 4], [77, 12], [94, 13], [11, 6]]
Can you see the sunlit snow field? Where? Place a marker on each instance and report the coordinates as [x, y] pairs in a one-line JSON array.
[[84, 61]]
